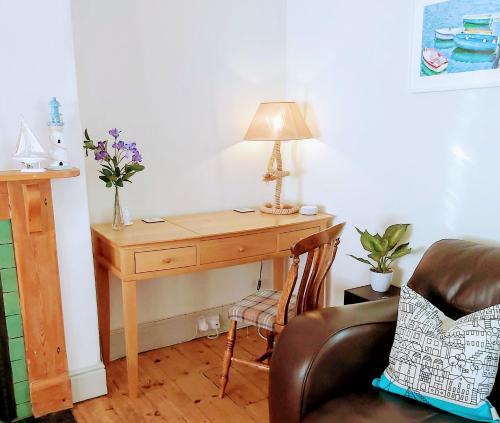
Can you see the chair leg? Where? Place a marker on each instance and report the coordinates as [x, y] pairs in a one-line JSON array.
[[226, 363], [270, 341], [270, 345], [269, 348]]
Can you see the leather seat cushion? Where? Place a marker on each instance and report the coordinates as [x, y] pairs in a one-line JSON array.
[[378, 406]]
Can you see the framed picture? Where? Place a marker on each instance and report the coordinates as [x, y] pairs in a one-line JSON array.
[[455, 44]]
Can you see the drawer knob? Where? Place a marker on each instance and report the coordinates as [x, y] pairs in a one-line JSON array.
[[167, 260], [241, 249]]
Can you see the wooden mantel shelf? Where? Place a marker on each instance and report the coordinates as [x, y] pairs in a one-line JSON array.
[[17, 175]]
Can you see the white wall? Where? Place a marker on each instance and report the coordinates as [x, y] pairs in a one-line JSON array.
[[36, 45], [183, 80], [383, 155]]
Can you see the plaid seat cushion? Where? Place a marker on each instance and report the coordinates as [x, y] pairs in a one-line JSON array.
[[260, 309]]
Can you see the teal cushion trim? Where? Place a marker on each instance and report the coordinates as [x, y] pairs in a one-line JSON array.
[[484, 413]]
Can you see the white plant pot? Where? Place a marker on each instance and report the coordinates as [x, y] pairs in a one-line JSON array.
[[380, 282]]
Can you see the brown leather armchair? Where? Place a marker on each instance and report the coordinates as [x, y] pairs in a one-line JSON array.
[[325, 360]]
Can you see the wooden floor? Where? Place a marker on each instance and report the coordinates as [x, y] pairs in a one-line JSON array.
[[180, 384]]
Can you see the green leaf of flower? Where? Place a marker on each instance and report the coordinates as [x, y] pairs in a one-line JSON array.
[[362, 260], [89, 145], [394, 233], [371, 243], [375, 256], [136, 167], [382, 244], [401, 251], [127, 176], [367, 241]]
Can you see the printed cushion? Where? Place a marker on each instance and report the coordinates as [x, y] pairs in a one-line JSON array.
[[445, 363], [260, 309]]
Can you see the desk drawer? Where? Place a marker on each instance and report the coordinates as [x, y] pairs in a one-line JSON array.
[[236, 247], [287, 239], [172, 258]]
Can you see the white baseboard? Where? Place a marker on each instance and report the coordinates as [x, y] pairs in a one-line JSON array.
[[88, 383], [165, 332]]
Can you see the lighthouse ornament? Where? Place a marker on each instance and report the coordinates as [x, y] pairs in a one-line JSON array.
[[58, 151]]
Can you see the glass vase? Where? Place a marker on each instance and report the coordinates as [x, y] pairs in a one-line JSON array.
[[118, 223]]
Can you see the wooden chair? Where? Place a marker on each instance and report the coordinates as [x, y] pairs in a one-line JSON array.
[[271, 310]]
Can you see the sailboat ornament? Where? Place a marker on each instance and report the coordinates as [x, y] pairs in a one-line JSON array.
[[29, 152]]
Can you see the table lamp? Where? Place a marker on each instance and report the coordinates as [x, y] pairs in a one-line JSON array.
[[277, 121]]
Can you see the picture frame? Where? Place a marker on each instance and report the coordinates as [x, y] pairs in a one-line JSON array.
[[438, 25]]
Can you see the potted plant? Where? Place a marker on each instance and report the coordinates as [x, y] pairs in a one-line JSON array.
[[119, 161], [384, 250]]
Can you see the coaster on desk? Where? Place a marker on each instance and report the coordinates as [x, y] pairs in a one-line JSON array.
[[244, 210], [153, 220]]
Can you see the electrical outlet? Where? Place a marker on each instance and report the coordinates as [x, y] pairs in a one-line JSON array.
[[203, 325], [213, 321]]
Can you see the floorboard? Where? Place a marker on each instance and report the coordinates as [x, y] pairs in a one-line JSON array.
[[180, 384]]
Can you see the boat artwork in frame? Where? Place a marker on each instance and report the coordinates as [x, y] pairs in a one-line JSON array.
[[455, 45]]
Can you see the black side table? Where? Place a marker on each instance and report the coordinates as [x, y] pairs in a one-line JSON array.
[[365, 293]]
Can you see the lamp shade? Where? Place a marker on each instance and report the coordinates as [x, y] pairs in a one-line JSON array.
[[278, 121]]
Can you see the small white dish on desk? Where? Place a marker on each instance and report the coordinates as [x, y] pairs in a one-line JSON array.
[[309, 210]]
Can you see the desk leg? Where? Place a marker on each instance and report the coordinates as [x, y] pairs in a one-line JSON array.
[[278, 273], [129, 294], [102, 288]]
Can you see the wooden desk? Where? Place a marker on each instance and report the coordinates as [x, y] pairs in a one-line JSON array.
[[185, 244]]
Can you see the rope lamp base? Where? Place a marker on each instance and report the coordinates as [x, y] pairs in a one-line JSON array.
[[284, 209], [276, 173]]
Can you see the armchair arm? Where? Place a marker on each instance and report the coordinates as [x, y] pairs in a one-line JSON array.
[[327, 353]]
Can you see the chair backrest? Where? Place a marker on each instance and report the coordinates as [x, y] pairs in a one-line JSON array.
[[321, 249]]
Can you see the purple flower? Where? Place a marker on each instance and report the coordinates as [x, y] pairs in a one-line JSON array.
[[119, 145], [131, 146], [101, 155], [136, 156], [115, 133], [101, 145]]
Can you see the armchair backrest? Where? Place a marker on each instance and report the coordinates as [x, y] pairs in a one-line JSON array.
[[321, 249], [460, 277]]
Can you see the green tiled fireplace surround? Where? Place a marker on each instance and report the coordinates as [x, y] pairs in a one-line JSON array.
[[13, 321]]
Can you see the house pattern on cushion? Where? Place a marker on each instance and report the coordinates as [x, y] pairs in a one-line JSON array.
[[435, 356]]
